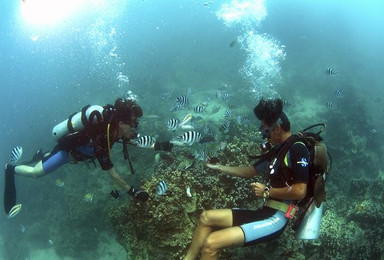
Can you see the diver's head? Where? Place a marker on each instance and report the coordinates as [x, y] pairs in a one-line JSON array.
[[127, 114], [275, 125]]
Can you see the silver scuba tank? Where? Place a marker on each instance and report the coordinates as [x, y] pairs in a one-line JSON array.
[[309, 228], [75, 122]]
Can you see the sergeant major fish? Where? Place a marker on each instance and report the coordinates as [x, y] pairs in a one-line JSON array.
[[189, 137], [16, 154], [199, 109], [225, 127], [162, 188], [329, 105], [330, 71], [182, 101], [339, 94], [228, 113], [172, 124], [145, 141], [225, 96]]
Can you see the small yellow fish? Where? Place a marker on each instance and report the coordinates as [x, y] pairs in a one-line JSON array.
[[59, 183], [186, 119], [88, 197]]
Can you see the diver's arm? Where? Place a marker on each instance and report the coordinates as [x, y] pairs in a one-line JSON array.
[[238, 171], [116, 178], [296, 191]]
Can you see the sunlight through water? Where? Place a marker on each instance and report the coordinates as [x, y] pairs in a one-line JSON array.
[[48, 12]]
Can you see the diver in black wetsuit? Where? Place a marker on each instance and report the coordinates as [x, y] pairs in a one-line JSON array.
[[285, 184]]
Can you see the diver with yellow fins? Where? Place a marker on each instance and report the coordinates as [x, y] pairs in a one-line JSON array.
[[88, 134]]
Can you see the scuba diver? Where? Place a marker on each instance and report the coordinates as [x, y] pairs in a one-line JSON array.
[[88, 134], [285, 185]]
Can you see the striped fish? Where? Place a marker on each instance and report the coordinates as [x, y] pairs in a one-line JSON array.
[[199, 109], [339, 94], [330, 71], [225, 96], [145, 141], [172, 124], [16, 154], [225, 127], [162, 188], [329, 105], [228, 113], [182, 101], [190, 137]]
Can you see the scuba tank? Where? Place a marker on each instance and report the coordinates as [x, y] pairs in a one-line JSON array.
[[78, 121], [309, 228]]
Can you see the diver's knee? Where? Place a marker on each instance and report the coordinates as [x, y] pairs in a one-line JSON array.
[[38, 174], [210, 246], [204, 218]]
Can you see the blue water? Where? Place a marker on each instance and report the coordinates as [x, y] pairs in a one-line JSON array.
[[98, 53]]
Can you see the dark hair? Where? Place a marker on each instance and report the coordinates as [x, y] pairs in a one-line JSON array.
[[270, 111], [125, 109]]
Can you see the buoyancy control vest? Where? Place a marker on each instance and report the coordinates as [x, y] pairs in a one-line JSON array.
[[318, 163], [307, 222]]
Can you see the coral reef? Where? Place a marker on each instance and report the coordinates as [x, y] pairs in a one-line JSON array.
[[164, 225]]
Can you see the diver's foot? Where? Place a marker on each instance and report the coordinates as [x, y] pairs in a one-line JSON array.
[[9, 169], [39, 155], [138, 194]]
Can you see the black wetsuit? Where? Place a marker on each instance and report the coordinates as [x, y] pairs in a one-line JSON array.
[[266, 223]]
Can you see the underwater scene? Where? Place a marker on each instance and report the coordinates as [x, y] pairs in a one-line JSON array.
[[197, 69]]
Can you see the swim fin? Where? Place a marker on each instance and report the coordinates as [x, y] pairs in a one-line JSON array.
[[10, 188]]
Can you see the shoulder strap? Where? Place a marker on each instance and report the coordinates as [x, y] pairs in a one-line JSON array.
[[286, 146], [84, 119]]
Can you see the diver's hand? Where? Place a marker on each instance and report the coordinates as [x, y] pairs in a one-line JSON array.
[[115, 194], [163, 146], [216, 167], [138, 194], [258, 189]]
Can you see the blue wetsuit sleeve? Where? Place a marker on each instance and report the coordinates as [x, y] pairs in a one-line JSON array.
[[299, 156]]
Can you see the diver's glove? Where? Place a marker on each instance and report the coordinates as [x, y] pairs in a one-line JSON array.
[[138, 194], [163, 146], [115, 194]]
